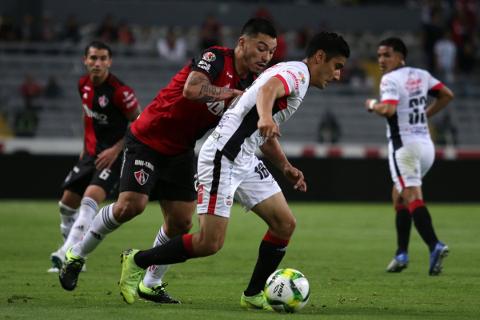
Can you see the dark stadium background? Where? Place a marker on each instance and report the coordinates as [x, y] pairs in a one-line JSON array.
[[347, 163]]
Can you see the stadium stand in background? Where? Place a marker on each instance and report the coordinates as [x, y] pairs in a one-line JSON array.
[[45, 47]]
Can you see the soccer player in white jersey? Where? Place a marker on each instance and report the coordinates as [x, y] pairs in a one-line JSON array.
[[228, 168], [403, 102]]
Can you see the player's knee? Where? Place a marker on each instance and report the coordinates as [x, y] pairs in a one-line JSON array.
[[286, 227], [183, 225], [208, 248], [212, 248], [128, 209]]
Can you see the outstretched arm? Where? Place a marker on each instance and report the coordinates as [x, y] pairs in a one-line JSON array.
[[198, 88], [273, 152]]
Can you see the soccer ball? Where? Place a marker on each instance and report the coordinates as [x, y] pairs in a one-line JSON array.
[[287, 290]]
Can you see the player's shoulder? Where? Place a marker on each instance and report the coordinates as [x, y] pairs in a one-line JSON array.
[[210, 54], [83, 80], [114, 81]]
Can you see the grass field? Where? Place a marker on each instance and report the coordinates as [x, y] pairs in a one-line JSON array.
[[341, 248]]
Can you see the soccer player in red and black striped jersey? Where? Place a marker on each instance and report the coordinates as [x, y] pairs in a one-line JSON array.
[[411, 152], [108, 107], [159, 151]]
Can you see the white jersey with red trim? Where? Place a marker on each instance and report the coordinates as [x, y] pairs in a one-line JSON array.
[[237, 130], [407, 88]]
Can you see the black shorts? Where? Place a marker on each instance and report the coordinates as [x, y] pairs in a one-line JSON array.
[[161, 177], [84, 174]]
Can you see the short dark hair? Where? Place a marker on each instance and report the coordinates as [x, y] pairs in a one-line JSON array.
[[98, 45], [396, 44], [255, 26], [333, 44]]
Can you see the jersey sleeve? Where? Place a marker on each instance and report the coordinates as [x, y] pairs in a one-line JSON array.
[[125, 99], [389, 91], [293, 79], [209, 63], [433, 83]]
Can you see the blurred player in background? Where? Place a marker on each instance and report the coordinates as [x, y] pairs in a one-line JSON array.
[[159, 153], [228, 168], [403, 102], [108, 106]]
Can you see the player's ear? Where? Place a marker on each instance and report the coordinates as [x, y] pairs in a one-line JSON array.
[[241, 42], [320, 56]]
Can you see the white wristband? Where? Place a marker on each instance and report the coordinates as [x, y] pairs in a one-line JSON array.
[[371, 104]]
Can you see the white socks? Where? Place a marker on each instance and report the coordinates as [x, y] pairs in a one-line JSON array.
[[67, 218], [153, 276], [86, 213], [103, 224]]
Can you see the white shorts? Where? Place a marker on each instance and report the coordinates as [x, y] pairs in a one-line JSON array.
[[221, 180], [410, 163]]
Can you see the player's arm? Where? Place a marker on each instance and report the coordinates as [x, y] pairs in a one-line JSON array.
[[199, 88], [443, 96], [273, 152], [272, 90], [384, 109]]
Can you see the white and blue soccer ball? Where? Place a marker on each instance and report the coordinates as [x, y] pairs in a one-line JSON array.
[[287, 290]]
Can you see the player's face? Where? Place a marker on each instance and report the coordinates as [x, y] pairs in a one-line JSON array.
[[325, 71], [97, 62], [258, 51], [388, 59]]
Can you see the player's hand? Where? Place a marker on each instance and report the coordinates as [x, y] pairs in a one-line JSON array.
[[369, 104], [236, 92], [268, 128], [296, 177], [106, 158]]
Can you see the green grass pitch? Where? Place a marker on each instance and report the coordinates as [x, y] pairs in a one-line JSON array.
[[342, 249]]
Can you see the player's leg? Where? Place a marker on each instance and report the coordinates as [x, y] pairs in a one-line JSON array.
[[207, 241], [260, 192], [176, 193], [423, 153], [128, 205], [403, 224], [214, 211], [68, 205], [74, 186], [86, 213], [177, 221], [138, 176], [281, 225], [68, 214]]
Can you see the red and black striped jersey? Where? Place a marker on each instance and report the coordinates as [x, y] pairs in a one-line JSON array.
[[171, 124], [105, 110]]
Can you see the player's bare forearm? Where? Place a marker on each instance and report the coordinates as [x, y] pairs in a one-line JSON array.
[[445, 95], [267, 94], [198, 88], [272, 150], [382, 109]]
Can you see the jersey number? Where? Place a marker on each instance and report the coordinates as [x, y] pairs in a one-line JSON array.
[[262, 171], [105, 174], [417, 114]]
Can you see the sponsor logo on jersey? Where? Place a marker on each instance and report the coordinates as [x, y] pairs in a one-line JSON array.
[[102, 118], [85, 95], [209, 56], [295, 79], [141, 177], [103, 101], [229, 75], [143, 163], [301, 76]]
